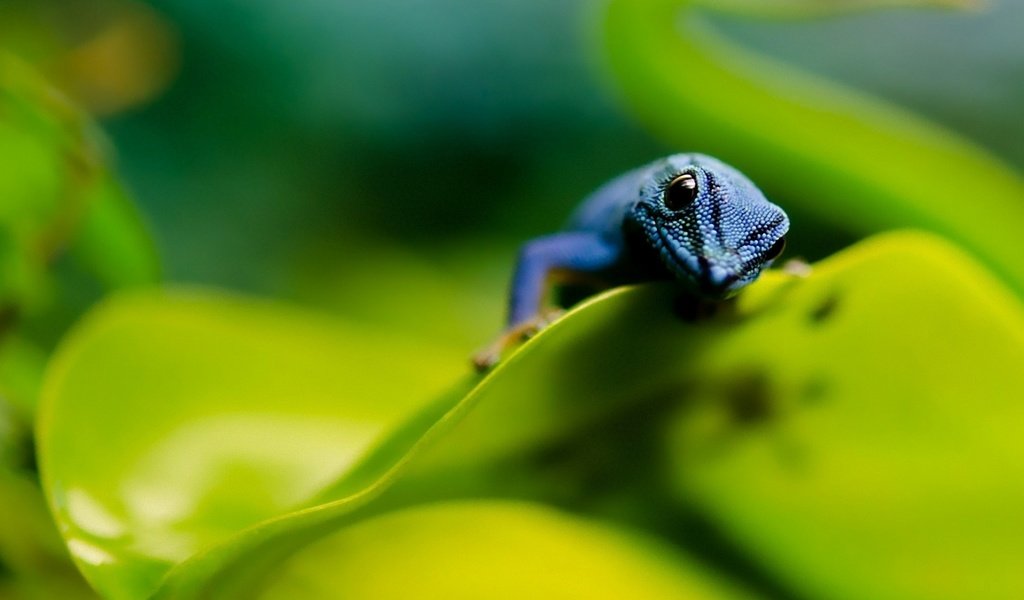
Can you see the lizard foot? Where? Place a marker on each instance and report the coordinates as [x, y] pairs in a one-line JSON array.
[[489, 356]]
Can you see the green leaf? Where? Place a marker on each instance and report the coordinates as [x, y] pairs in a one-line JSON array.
[[791, 9], [189, 445], [865, 437], [176, 421], [459, 287], [22, 364], [112, 241], [57, 192], [857, 434], [489, 550], [58, 197], [836, 155]]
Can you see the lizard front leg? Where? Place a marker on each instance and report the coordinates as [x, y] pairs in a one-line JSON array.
[[568, 254]]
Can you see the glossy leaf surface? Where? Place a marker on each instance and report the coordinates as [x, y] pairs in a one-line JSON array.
[[207, 415]]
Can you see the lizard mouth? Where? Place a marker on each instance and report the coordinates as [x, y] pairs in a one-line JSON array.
[[708, 279]]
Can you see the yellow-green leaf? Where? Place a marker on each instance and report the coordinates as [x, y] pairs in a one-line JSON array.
[[175, 421], [495, 550], [190, 445], [864, 438]]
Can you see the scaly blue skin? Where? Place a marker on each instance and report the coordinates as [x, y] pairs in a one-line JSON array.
[[635, 229]]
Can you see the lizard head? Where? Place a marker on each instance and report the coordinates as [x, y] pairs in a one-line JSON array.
[[711, 227]]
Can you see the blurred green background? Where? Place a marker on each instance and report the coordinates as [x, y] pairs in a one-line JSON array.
[[294, 132]]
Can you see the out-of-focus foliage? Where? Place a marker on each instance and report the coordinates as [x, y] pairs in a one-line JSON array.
[[260, 397], [34, 562], [518, 551], [891, 170], [449, 296], [67, 234], [972, 87], [65, 223], [494, 113], [109, 55]]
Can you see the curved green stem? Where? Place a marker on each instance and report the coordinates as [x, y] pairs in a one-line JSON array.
[[830, 152], [790, 9]]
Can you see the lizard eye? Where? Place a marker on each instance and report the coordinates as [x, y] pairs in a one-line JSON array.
[[681, 192], [776, 249]]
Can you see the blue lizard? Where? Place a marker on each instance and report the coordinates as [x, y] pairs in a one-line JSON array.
[[687, 217]]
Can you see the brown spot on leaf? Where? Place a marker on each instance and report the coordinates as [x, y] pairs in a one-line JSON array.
[[825, 310], [750, 399]]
